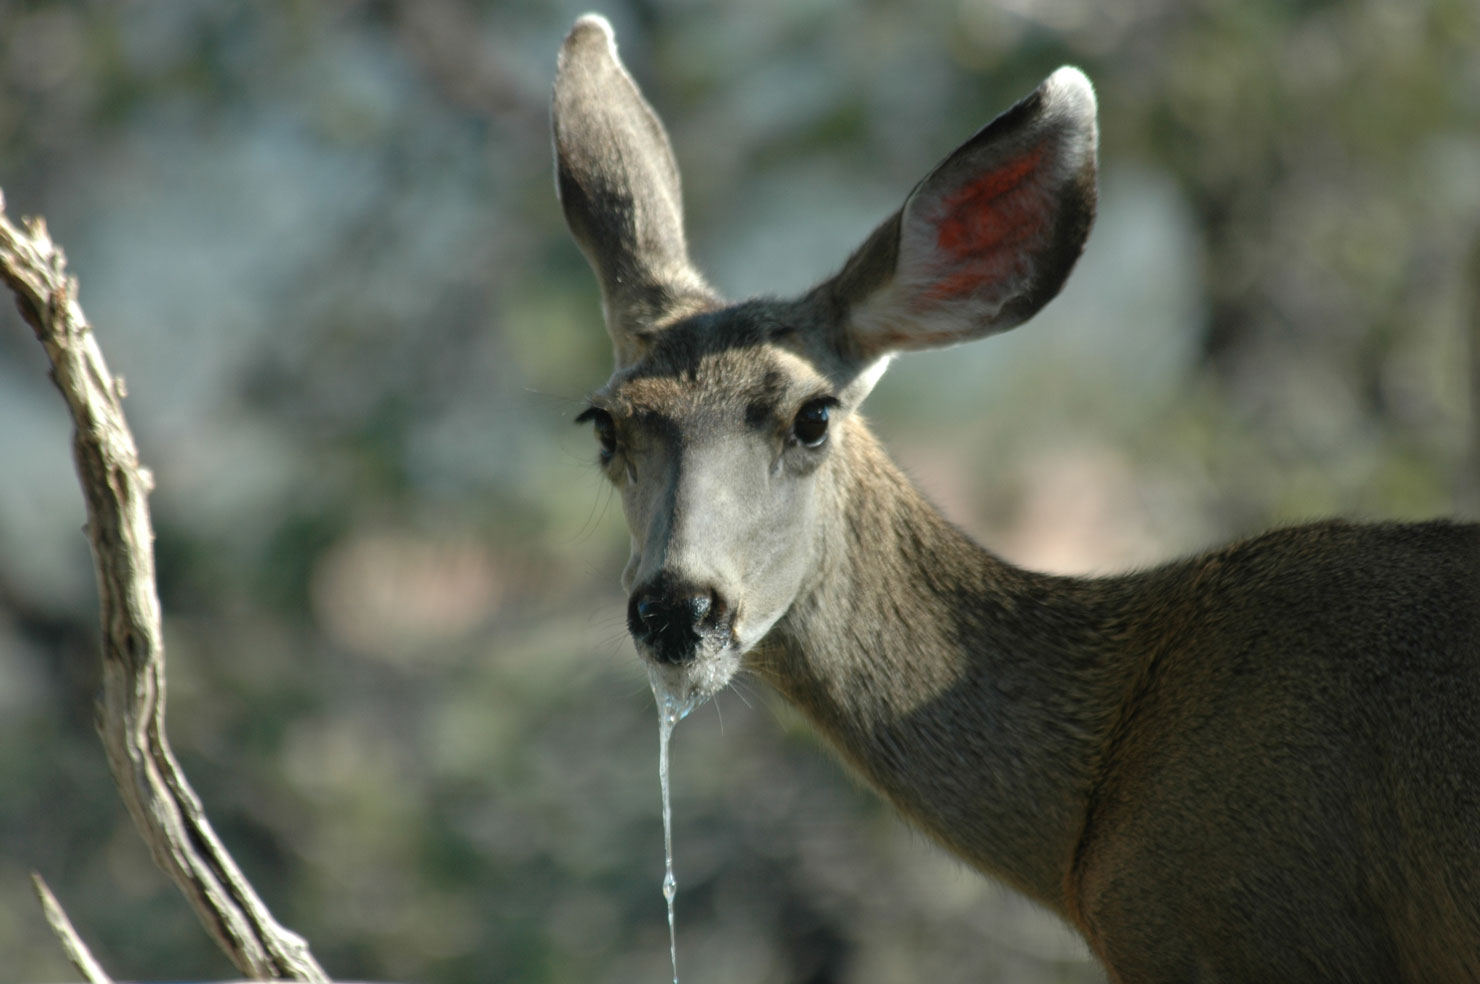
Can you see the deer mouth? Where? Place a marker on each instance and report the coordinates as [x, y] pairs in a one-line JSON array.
[[706, 669]]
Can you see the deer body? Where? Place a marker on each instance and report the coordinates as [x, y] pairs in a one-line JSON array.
[[1260, 764], [1202, 801]]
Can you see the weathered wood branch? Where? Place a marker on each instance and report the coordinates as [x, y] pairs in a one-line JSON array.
[[115, 488], [76, 950]]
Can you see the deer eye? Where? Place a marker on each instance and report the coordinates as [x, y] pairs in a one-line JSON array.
[[810, 427], [605, 428]]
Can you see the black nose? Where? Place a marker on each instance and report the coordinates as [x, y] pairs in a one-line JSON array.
[[672, 619]]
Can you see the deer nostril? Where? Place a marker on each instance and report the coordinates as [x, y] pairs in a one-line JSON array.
[[649, 611]]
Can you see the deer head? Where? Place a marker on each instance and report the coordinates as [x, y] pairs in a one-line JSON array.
[[732, 430]]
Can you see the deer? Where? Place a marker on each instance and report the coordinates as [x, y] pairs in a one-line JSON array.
[[1258, 764]]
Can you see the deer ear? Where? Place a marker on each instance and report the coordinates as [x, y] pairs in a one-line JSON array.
[[619, 187], [986, 239]]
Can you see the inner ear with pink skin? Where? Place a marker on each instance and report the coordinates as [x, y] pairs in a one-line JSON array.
[[987, 238], [983, 228]]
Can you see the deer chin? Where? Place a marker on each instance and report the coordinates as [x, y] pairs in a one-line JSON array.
[[685, 676], [686, 685]]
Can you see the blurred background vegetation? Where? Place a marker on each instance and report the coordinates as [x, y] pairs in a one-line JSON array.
[[320, 241]]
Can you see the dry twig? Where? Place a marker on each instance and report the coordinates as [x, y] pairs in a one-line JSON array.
[[131, 710], [77, 951]]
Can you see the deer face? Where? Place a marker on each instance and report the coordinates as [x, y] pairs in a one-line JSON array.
[[719, 438], [725, 427]]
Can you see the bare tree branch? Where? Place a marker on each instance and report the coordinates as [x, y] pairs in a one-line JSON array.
[[131, 710], [77, 951]]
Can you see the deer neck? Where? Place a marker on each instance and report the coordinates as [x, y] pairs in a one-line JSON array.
[[972, 694]]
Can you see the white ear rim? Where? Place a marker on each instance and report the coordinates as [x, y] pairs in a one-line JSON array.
[[598, 21], [1069, 100], [1068, 93]]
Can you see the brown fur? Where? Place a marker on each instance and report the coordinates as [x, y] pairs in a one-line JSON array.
[[1261, 764]]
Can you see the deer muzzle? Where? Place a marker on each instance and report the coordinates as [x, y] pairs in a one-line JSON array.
[[673, 621]]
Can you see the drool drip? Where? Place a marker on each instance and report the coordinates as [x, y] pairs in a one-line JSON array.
[[671, 710]]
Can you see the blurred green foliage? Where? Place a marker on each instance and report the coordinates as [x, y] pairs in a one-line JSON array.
[[320, 241]]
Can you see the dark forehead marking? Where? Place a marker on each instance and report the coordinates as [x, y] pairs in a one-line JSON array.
[[719, 363], [683, 346], [711, 348]]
